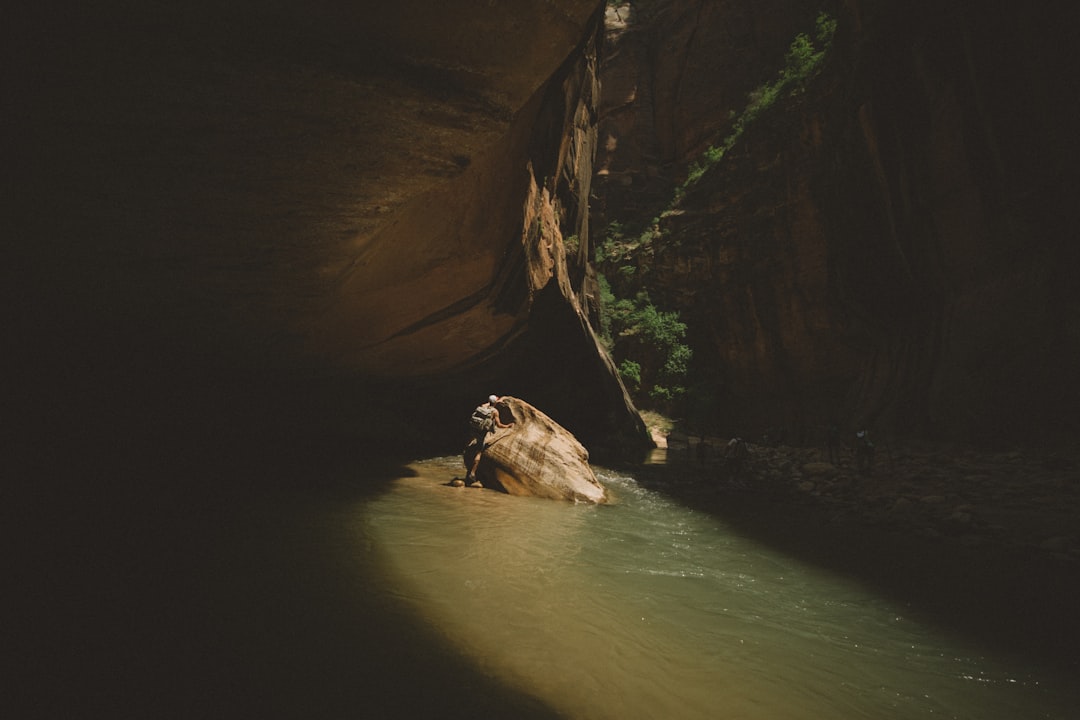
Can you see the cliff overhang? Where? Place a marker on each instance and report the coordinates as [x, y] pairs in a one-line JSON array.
[[329, 201]]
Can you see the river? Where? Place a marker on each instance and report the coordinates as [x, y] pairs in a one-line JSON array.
[[314, 586], [646, 608]]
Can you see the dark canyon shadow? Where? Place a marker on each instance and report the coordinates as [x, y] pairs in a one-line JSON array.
[[218, 570], [1022, 602]]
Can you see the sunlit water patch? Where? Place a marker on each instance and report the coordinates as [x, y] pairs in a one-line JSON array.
[[646, 609]]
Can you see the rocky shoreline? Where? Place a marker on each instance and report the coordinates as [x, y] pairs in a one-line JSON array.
[[983, 543], [1022, 499]]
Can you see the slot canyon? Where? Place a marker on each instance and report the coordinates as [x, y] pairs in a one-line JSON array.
[[308, 238]]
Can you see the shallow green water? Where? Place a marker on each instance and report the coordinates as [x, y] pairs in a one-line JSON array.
[[646, 609]]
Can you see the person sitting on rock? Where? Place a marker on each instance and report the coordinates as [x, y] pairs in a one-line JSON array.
[[485, 419]]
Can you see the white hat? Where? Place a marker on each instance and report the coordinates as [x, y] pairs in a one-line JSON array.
[[493, 399]]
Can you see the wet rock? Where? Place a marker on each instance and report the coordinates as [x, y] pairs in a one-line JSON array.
[[537, 457], [819, 469], [978, 500]]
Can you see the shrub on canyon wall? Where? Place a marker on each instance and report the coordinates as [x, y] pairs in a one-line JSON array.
[[803, 61], [648, 345]]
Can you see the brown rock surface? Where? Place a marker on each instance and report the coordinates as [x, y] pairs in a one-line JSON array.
[[537, 457], [674, 71], [355, 193], [887, 245], [1018, 501]]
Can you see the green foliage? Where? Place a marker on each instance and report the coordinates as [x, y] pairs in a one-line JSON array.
[[663, 329], [607, 249], [664, 395], [678, 360], [624, 252], [620, 245], [607, 300], [572, 244], [630, 372], [803, 61], [804, 57], [649, 342]]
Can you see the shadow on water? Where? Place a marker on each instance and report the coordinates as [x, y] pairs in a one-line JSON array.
[[188, 575], [1004, 600], [181, 570]]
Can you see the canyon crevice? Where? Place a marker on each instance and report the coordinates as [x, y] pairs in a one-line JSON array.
[[320, 214], [258, 257]]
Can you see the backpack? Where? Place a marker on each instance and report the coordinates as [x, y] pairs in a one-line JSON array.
[[483, 419]]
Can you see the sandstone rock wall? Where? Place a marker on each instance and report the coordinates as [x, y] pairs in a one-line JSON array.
[[886, 248], [674, 71], [331, 196], [327, 195]]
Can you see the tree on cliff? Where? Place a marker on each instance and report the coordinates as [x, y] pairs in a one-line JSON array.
[[647, 343], [803, 62]]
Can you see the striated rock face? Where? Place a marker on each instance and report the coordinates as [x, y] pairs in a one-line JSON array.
[[537, 457], [293, 211], [673, 72], [310, 199], [888, 247]]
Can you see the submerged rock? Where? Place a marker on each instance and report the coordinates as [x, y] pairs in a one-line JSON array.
[[536, 456]]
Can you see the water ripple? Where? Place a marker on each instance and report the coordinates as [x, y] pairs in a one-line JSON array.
[[645, 609]]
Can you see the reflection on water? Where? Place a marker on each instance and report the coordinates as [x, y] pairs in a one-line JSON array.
[[646, 609]]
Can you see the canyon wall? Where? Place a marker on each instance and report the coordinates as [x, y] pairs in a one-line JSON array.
[[308, 212], [887, 248], [316, 214]]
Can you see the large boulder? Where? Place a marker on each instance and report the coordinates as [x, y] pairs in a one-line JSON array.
[[536, 456]]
